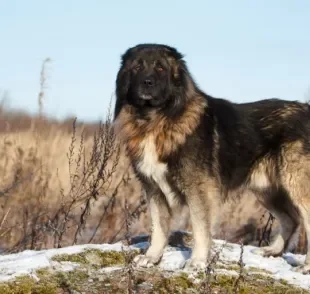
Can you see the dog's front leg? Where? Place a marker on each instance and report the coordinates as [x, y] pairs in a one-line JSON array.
[[160, 219], [202, 200]]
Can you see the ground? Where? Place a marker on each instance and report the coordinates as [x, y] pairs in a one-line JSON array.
[[107, 268]]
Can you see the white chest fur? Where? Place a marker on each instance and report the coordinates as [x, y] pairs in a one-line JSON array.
[[151, 167]]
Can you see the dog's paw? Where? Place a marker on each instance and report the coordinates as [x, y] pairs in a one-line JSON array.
[[195, 264], [258, 251], [266, 252], [145, 261], [303, 269]]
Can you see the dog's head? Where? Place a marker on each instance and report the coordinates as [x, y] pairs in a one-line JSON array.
[[152, 77]]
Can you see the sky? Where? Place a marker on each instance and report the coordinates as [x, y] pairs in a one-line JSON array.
[[240, 50]]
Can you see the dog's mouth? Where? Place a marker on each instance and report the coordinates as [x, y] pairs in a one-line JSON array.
[[146, 96], [148, 101]]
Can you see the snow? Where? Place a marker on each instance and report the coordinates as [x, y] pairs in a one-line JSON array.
[[27, 262]]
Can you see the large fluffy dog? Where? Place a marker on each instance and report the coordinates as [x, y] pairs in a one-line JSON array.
[[190, 148]]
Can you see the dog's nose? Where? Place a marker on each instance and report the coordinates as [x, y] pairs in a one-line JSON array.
[[148, 82]]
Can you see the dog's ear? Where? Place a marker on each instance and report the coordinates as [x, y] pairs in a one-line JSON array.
[[181, 77], [176, 62], [178, 68], [173, 52], [174, 68], [128, 55], [125, 57], [122, 87]]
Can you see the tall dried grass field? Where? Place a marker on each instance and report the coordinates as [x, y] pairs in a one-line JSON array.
[[68, 182]]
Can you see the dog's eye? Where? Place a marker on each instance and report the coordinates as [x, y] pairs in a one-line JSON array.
[[138, 67]]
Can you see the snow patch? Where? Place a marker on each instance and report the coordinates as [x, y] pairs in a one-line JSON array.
[[27, 262]]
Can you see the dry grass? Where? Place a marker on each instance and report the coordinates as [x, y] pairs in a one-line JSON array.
[[68, 182]]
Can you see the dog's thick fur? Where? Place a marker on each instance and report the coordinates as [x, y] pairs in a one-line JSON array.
[[190, 148]]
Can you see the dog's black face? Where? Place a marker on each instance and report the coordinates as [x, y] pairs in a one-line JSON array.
[[151, 77]]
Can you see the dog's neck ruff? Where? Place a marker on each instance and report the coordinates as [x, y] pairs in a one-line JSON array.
[[166, 134]]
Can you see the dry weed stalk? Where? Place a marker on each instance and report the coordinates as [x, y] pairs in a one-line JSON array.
[[90, 178], [128, 256], [267, 230], [4, 218], [110, 204], [240, 277], [135, 215], [206, 285], [43, 85]]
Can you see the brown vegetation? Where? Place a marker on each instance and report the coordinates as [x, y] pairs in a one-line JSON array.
[[66, 182]]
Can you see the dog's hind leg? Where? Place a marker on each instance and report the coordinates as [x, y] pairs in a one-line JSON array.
[[278, 202], [296, 178], [305, 212]]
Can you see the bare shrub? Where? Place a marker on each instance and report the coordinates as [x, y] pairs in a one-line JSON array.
[[43, 216], [41, 204], [90, 177]]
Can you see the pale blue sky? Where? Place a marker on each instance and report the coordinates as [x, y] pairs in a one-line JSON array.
[[241, 50]]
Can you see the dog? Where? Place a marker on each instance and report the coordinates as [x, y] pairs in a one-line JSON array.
[[190, 148]]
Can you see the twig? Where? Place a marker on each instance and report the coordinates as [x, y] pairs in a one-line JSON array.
[[241, 271], [267, 230], [129, 267], [140, 208], [206, 284], [112, 198], [42, 85], [4, 218]]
